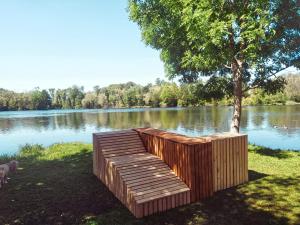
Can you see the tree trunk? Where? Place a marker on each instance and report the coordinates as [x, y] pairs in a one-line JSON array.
[[237, 98]]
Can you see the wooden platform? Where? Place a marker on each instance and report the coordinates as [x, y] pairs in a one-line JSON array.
[[140, 180], [151, 170]]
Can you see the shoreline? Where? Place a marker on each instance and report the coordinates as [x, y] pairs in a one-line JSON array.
[[148, 107]]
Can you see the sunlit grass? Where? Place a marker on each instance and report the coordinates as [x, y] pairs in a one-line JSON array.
[[55, 185]]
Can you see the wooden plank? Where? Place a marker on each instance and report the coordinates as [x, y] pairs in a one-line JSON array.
[[160, 194], [246, 158], [145, 187], [129, 172], [162, 187], [243, 158], [150, 197], [142, 168], [214, 165], [136, 178], [150, 179], [109, 155], [120, 145], [119, 138]]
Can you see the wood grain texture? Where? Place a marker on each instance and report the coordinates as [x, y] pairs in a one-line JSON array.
[[206, 164], [230, 161], [150, 170], [140, 180], [189, 158]]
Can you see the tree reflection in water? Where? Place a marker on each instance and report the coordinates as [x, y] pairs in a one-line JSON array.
[[273, 126]]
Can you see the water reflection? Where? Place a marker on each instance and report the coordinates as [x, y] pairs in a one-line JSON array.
[[273, 126]]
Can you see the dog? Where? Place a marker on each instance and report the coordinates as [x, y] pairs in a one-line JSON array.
[[5, 169], [13, 165]]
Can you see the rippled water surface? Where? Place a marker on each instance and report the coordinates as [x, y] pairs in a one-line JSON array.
[[272, 126]]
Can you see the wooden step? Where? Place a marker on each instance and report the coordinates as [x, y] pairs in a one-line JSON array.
[[141, 181]]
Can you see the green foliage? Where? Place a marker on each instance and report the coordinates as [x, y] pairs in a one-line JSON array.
[[259, 97], [201, 37], [90, 101], [40, 99], [29, 150], [133, 96], [292, 89], [188, 95], [249, 40], [70, 98], [215, 90], [169, 95], [152, 97]]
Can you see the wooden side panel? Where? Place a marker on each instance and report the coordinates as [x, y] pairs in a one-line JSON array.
[[230, 161], [191, 162]]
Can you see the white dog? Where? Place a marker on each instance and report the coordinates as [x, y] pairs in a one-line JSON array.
[[5, 169]]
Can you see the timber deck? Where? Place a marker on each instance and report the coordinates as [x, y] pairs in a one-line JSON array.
[[140, 180], [151, 171]]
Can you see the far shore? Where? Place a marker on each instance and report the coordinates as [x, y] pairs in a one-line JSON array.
[[289, 103]]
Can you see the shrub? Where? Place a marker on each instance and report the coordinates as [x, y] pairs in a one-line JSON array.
[[29, 150]]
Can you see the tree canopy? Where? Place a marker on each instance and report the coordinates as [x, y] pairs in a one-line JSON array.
[[249, 40]]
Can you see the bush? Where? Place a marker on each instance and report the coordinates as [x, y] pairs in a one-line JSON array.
[[29, 150]]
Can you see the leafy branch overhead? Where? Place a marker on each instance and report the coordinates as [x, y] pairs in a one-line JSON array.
[[202, 37]]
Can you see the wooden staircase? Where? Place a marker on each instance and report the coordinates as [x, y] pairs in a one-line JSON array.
[[141, 181]]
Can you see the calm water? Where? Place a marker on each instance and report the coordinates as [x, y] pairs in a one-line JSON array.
[[273, 126]]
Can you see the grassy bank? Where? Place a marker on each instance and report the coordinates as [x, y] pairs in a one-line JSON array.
[[56, 186]]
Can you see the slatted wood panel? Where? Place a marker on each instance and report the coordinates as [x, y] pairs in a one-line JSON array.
[[206, 164], [190, 158], [140, 180], [230, 160]]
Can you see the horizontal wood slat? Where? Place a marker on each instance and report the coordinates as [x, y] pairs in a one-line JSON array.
[[189, 158], [141, 181], [206, 164], [150, 170]]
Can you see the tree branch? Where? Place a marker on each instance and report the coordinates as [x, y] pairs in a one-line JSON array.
[[226, 66], [268, 77]]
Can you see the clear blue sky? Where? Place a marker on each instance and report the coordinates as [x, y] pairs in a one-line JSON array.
[[58, 43]]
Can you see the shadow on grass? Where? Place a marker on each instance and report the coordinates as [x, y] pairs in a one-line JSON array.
[[56, 191], [254, 175], [64, 191], [279, 154]]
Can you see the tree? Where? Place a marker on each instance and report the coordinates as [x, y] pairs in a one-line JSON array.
[[250, 40], [40, 99], [188, 96], [90, 101], [97, 90], [75, 95], [152, 97], [292, 88], [169, 94]]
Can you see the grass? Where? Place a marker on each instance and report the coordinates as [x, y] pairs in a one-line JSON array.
[[55, 185]]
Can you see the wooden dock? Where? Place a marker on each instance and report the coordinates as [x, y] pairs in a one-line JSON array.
[[150, 170]]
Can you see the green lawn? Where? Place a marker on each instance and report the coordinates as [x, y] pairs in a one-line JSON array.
[[56, 186]]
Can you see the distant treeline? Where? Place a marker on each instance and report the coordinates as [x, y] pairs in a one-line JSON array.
[[159, 94]]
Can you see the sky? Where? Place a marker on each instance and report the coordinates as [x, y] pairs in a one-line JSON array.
[[59, 43]]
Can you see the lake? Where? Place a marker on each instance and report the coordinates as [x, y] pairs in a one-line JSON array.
[[272, 126]]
